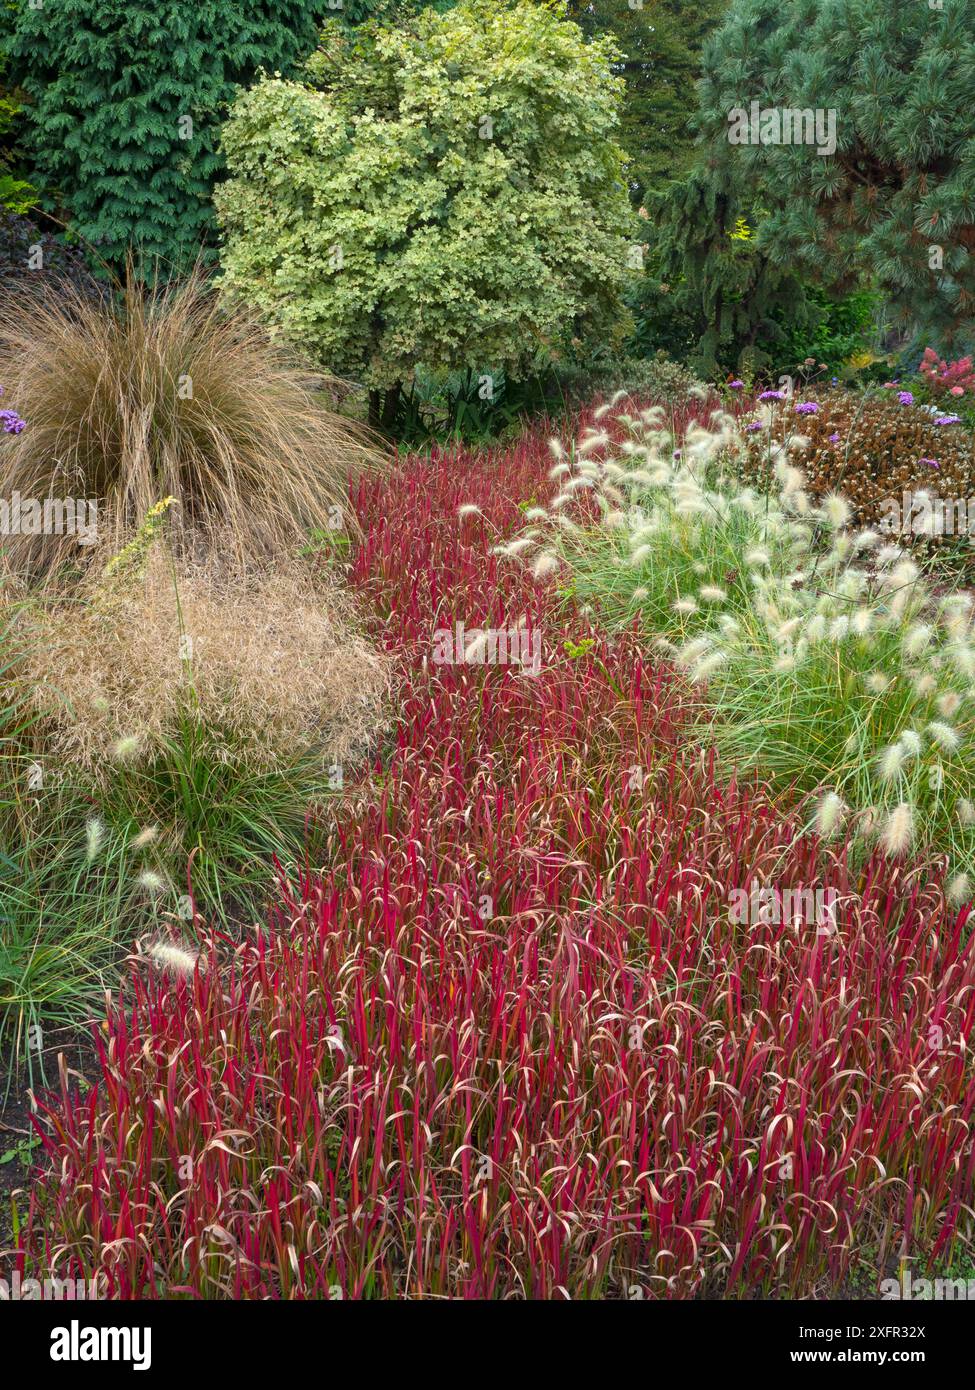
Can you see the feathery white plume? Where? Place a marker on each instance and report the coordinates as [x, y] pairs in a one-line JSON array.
[[829, 814], [174, 958], [944, 735], [959, 890], [836, 510], [917, 638], [949, 703], [892, 761], [545, 565], [708, 665], [899, 829], [94, 837]]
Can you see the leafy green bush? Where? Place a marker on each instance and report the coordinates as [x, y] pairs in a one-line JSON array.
[[710, 295], [836, 329], [446, 193], [602, 372], [664, 315], [474, 405]]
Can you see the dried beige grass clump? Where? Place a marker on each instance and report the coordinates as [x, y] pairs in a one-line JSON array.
[[264, 665], [166, 391]]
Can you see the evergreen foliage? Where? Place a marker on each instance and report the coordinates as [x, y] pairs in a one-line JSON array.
[[17, 195], [126, 102], [660, 43], [897, 198], [723, 292]]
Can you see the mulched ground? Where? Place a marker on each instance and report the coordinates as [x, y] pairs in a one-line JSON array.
[[18, 1137]]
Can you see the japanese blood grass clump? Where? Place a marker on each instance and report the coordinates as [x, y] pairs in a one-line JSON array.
[[595, 1080], [827, 663]]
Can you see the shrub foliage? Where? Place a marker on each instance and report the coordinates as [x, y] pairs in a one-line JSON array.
[[446, 192], [896, 195]]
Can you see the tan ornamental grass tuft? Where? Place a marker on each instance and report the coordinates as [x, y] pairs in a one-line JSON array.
[[265, 664], [166, 392]]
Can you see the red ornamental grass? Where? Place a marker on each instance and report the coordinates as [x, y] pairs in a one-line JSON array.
[[513, 1043]]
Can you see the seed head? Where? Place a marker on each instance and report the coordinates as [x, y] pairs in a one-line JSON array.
[[94, 837], [899, 830], [829, 815]]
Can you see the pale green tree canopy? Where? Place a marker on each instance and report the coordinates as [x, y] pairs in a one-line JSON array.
[[448, 191]]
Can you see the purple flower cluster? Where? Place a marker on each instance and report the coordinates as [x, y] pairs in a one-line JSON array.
[[772, 396], [905, 397], [931, 463], [807, 408], [736, 385], [755, 425], [948, 420], [12, 423]]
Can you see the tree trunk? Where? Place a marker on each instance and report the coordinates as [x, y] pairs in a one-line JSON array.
[[374, 413], [390, 406]]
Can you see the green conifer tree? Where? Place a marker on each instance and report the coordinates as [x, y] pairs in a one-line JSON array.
[[126, 103], [705, 248], [660, 43], [896, 198]]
